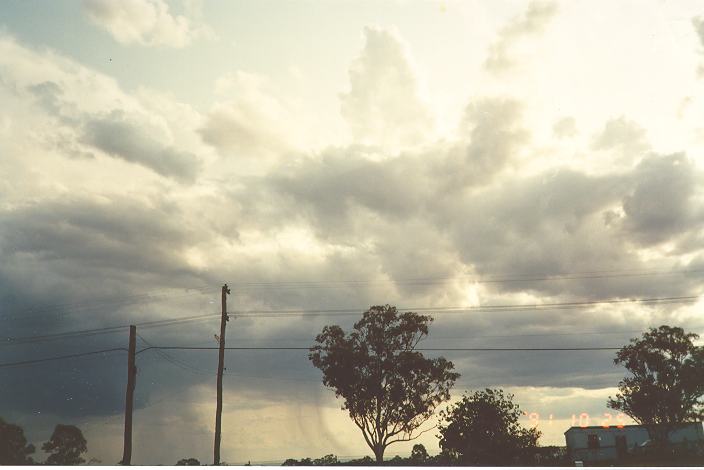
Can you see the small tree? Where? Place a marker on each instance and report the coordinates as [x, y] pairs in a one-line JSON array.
[[14, 449], [419, 455], [483, 429], [666, 384], [188, 461], [389, 389], [66, 446]]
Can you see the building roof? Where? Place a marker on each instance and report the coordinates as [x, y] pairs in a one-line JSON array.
[[623, 426]]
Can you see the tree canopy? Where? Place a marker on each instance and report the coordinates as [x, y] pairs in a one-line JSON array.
[[188, 461], [483, 429], [66, 446], [14, 449], [419, 454], [389, 388], [666, 382]]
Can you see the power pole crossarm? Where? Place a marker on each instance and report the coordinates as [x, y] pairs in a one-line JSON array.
[[221, 364], [129, 396]]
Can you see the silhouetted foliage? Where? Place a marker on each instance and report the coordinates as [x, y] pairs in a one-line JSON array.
[[397, 460], [389, 389], [364, 461], [188, 461], [66, 446], [483, 429], [666, 383], [328, 460], [543, 456], [14, 449], [551, 456], [419, 455]]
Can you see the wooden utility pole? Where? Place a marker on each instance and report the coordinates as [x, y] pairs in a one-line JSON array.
[[129, 397], [221, 363]]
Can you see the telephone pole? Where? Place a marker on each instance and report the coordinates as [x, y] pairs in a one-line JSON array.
[[129, 397], [221, 363]]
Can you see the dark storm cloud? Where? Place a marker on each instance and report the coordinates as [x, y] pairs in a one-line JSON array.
[[63, 266], [80, 235], [84, 254], [608, 326], [115, 135], [662, 206]]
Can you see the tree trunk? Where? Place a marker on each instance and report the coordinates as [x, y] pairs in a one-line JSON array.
[[379, 453]]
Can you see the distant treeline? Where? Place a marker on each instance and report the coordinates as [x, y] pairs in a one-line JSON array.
[[543, 456]]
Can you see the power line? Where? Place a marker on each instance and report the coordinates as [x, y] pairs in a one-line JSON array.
[[69, 307], [283, 348], [58, 358], [11, 341], [507, 278], [178, 363], [603, 274], [293, 348], [479, 308], [433, 337], [343, 312]]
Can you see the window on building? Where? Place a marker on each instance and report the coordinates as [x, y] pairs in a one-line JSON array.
[[593, 441]]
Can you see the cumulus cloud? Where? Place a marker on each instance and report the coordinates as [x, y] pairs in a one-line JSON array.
[[698, 23], [144, 22], [115, 135], [341, 182], [565, 128], [79, 113], [384, 104], [492, 134], [662, 204], [250, 119], [623, 136], [531, 22]]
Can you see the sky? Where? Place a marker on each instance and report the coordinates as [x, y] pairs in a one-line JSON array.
[[333, 155]]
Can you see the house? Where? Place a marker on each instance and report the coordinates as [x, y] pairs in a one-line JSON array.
[[595, 443]]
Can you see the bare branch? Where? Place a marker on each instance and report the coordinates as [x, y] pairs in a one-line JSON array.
[[413, 437]]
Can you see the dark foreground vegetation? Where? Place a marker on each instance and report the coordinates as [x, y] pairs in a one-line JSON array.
[[691, 455], [544, 456], [66, 446]]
